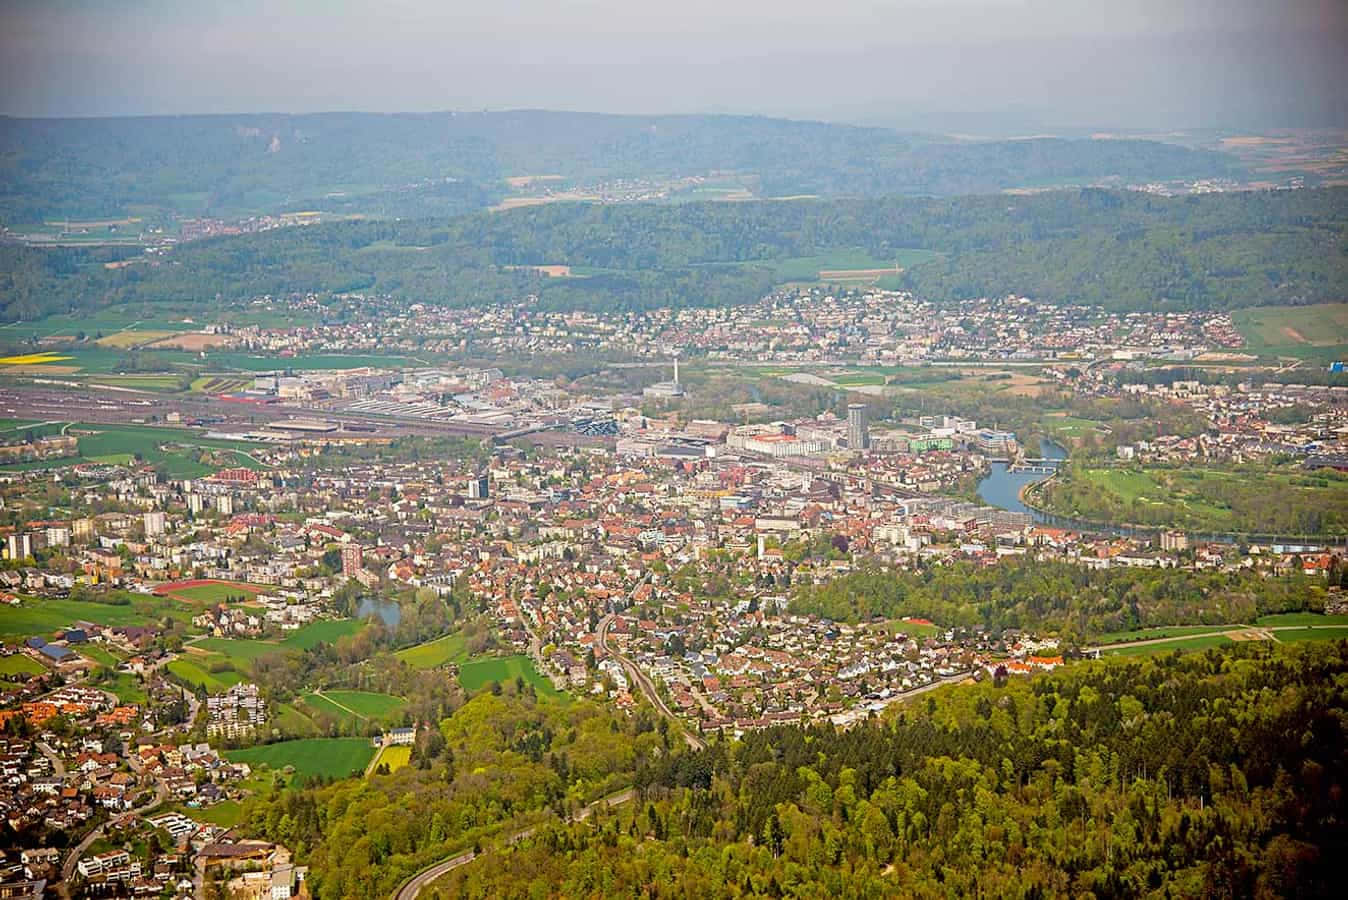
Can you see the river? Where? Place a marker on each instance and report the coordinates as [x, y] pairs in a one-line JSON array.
[[1002, 488]]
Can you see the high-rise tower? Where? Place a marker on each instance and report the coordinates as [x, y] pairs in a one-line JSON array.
[[858, 434]]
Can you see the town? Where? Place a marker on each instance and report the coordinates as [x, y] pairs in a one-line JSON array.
[[331, 555]]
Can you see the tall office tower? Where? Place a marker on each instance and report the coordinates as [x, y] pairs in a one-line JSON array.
[[479, 488], [858, 434]]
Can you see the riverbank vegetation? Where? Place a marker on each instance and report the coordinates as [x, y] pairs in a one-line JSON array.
[[1203, 498]]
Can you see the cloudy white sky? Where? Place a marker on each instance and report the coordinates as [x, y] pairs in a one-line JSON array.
[[979, 64]]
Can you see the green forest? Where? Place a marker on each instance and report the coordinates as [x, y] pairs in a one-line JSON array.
[[1206, 774], [1121, 250], [444, 163], [1064, 597]]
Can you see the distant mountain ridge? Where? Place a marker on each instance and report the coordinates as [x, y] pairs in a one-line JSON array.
[[413, 164]]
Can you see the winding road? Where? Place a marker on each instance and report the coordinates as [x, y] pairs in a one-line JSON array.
[[647, 686], [68, 868], [418, 882]]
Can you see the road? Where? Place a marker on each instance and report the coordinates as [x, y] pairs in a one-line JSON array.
[[536, 652], [58, 767], [68, 868], [418, 882], [647, 687]]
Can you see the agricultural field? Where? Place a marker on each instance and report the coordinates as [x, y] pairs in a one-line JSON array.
[[311, 757], [436, 653], [226, 813], [128, 688], [246, 362], [479, 673], [356, 707], [316, 707], [19, 664], [125, 340], [1301, 618], [42, 617], [160, 384], [327, 631], [1318, 332], [1164, 631], [845, 265], [192, 670], [1069, 426], [1318, 633], [122, 444], [220, 384], [100, 655], [1201, 642], [395, 757], [368, 704], [291, 721], [32, 359], [238, 649]]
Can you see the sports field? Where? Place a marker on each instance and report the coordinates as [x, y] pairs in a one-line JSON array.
[[432, 654], [206, 590], [479, 673], [329, 757], [913, 629]]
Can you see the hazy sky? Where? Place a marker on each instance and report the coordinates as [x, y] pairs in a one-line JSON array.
[[973, 64]]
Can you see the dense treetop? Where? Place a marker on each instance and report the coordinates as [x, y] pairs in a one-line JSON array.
[[1122, 250], [401, 164], [1213, 774]]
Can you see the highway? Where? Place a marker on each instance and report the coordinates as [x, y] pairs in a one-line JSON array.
[[418, 882], [647, 687]]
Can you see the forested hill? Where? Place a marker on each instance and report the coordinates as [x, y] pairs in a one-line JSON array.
[[445, 163], [1122, 250], [1198, 775]]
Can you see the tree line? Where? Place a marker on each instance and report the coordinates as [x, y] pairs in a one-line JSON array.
[[1120, 250]]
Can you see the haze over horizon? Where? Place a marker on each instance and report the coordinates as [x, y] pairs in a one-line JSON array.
[[981, 66]]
